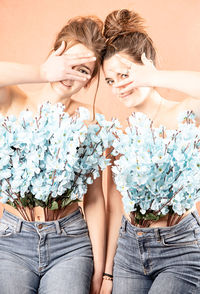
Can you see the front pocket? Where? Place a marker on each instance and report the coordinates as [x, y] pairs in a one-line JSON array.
[[5, 230], [180, 239], [76, 229]]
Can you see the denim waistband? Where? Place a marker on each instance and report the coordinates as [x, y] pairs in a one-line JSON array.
[[186, 223], [49, 226]]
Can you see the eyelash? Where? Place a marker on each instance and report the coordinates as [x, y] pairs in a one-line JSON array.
[[83, 71], [124, 76], [110, 82]]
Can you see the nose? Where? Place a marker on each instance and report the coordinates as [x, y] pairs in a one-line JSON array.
[[115, 90]]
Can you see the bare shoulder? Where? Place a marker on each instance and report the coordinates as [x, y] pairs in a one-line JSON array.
[[13, 100], [193, 105]]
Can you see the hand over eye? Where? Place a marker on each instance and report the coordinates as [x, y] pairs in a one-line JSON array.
[[138, 75], [59, 66]]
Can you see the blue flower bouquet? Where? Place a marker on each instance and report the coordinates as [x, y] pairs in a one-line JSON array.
[[157, 170], [48, 160]]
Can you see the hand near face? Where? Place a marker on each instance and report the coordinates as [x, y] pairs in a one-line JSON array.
[[60, 66], [136, 75]]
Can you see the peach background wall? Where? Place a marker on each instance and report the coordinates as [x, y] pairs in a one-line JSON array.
[[28, 29]]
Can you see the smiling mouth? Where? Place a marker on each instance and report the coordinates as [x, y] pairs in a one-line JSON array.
[[66, 84], [122, 96]]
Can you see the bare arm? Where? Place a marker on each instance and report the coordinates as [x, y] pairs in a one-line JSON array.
[[187, 82], [114, 216], [94, 209], [16, 73], [146, 75], [58, 67]]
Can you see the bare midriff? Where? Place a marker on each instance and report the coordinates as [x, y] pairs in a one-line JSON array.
[[41, 215], [163, 222]]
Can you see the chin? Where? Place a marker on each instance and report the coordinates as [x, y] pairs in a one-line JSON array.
[[129, 101]]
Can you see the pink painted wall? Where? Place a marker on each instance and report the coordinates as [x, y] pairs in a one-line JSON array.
[[28, 29]]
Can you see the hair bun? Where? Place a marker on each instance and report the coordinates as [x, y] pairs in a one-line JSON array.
[[123, 21], [124, 16]]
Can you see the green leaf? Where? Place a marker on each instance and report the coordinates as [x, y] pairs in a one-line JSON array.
[[54, 205], [65, 202], [151, 216]]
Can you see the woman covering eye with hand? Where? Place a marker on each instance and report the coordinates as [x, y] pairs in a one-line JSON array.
[[46, 245], [153, 226]]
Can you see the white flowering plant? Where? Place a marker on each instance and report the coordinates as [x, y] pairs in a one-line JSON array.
[[157, 170], [49, 159]]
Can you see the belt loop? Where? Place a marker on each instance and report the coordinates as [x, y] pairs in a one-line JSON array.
[[125, 225], [157, 234], [81, 211], [196, 216], [19, 226], [58, 230]]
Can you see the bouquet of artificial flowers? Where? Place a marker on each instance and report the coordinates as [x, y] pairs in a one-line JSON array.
[[49, 160], [157, 170]]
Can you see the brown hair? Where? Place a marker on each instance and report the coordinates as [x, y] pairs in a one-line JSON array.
[[89, 32], [84, 30], [125, 32]]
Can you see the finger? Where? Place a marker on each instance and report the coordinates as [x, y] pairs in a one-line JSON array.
[[125, 61], [124, 83], [74, 78], [60, 49], [145, 60], [82, 60], [127, 89], [77, 56]]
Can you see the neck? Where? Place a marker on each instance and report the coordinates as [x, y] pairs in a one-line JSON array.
[[151, 105], [48, 93]]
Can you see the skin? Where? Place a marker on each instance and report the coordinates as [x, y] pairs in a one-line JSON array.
[[65, 73], [134, 85]]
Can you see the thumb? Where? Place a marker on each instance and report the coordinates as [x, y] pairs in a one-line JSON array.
[[60, 49], [145, 60]]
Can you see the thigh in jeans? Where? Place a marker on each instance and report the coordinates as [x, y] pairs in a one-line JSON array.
[[128, 275], [15, 276], [180, 262], [68, 276], [73, 267]]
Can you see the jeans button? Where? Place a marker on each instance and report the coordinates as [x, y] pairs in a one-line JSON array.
[[40, 226], [139, 233]]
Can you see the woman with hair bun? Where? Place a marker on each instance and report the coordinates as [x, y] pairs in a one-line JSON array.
[[153, 226], [46, 245]]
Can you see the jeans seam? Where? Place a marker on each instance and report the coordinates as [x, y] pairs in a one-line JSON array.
[[140, 255]]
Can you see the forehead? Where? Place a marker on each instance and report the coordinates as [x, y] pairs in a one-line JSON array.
[[114, 65], [80, 49]]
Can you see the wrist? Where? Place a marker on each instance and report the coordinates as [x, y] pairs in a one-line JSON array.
[[158, 78], [107, 276], [42, 73], [153, 79]]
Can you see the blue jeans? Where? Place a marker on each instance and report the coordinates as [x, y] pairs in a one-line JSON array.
[[46, 258], [158, 260]]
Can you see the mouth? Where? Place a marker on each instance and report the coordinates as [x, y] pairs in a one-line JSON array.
[[67, 84], [125, 95]]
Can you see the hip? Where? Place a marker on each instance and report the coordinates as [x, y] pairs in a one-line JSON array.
[[40, 214]]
